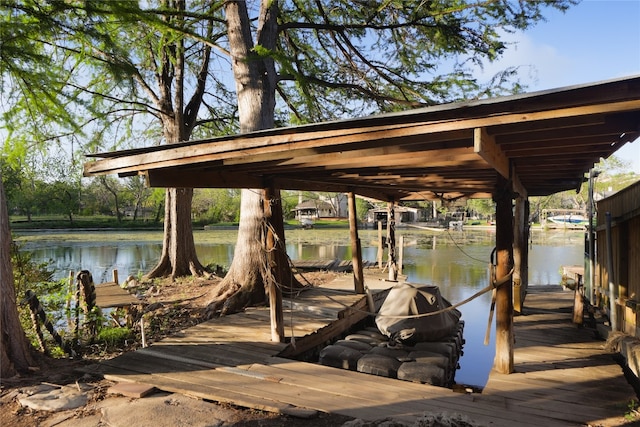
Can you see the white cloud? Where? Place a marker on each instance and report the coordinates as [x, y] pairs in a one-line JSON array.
[[541, 65]]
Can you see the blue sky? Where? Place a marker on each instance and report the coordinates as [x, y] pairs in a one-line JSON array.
[[593, 41]]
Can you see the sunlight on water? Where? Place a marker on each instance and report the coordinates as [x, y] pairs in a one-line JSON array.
[[455, 261]]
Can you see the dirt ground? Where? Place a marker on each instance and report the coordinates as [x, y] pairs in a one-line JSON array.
[[175, 305]]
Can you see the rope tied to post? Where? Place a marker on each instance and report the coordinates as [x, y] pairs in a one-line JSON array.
[[38, 314]]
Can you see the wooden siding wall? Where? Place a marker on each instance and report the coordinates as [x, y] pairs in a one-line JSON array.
[[624, 208]]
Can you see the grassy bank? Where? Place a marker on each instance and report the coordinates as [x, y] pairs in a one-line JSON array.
[[111, 223], [80, 222]]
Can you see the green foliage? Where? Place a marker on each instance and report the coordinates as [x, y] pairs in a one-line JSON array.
[[393, 55], [632, 410], [114, 336], [52, 295], [106, 67], [216, 205], [362, 208], [484, 208], [28, 274], [99, 75]]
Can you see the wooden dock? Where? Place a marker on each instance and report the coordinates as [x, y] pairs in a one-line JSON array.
[[336, 265], [563, 375]]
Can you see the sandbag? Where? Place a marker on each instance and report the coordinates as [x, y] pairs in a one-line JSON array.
[[396, 353], [430, 358], [444, 348], [338, 356], [407, 299], [377, 364], [368, 339], [425, 373], [356, 345]]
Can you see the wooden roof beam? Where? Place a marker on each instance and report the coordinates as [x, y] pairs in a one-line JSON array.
[[201, 179], [251, 144], [485, 146]]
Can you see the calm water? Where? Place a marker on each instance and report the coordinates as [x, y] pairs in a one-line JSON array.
[[455, 261]]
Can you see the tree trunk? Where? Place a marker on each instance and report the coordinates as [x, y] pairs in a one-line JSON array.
[[255, 78], [14, 348], [244, 283], [178, 256]]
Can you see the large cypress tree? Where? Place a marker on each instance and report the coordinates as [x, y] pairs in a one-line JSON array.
[[121, 70]]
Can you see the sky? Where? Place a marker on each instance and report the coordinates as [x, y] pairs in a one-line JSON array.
[[593, 41]]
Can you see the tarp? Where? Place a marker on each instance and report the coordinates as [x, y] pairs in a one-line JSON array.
[[408, 299]]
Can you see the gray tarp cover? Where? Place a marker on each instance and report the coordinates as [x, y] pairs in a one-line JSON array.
[[407, 299]]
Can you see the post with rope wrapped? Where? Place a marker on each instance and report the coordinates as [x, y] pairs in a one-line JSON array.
[[276, 259], [356, 249], [519, 246], [380, 247], [503, 362], [391, 241]]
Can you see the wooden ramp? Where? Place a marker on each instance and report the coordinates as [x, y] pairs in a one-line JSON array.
[[562, 370], [563, 375]]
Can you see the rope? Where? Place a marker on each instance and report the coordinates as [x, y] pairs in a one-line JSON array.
[[487, 334], [36, 326], [488, 288], [39, 314], [85, 283], [462, 250], [491, 287]]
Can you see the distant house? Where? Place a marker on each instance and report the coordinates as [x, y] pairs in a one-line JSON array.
[[314, 209], [403, 214]]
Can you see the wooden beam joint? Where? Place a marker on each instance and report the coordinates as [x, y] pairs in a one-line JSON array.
[[486, 147]]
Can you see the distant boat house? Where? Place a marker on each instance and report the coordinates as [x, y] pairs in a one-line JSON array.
[[314, 209], [403, 215]]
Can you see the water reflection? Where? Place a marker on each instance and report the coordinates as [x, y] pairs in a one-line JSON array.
[[455, 261]]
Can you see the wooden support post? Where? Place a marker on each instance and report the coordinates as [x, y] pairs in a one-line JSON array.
[[503, 362], [524, 267], [356, 251], [613, 295], [400, 254], [391, 241], [518, 243], [115, 277], [380, 246], [68, 302], [273, 209], [578, 301]]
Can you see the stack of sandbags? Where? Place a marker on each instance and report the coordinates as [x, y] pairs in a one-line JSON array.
[[371, 352]]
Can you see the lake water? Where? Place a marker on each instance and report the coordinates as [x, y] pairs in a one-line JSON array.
[[456, 261]]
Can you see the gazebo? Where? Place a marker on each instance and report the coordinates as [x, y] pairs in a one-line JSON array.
[[506, 148]]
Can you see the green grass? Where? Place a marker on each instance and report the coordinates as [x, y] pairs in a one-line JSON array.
[[61, 222], [110, 222], [321, 223]]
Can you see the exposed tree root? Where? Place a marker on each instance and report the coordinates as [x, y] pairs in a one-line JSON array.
[[230, 296]]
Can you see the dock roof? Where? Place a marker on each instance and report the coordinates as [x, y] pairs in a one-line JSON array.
[[544, 142]]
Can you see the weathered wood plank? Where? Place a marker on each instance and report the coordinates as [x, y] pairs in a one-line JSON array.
[[401, 398], [563, 377], [111, 295], [208, 392]]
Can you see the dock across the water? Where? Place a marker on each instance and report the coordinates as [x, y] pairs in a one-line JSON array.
[[563, 375], [329, 265]]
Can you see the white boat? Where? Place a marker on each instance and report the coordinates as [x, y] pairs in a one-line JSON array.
[[569, 219]]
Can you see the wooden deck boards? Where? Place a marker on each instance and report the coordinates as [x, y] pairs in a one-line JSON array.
[[563, 375]]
